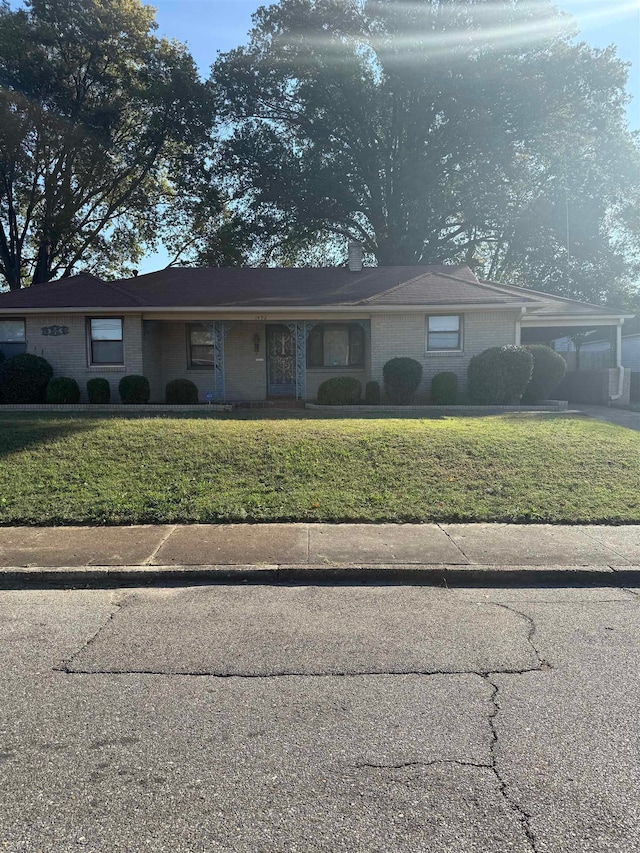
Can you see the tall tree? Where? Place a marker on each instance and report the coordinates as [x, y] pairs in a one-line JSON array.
[[432, 131], [104, 135]]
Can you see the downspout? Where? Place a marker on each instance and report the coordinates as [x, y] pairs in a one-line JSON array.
[[518, 340], [619, 364]]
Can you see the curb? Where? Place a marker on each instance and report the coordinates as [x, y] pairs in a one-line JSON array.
[[100, 577]]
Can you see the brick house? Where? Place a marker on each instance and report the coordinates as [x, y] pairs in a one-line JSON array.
[[252, 335]]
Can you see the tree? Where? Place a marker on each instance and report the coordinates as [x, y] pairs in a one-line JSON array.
[[434, 131], [104, 135]]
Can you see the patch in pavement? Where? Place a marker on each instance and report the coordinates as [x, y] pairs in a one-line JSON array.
[[133, 762], [274, 631]]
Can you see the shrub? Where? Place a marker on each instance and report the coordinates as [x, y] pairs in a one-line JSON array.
[[24, 379], [134, 389], [341, 391], [63, 390], [181, 391], [499, 375], [402, 377], [98, 390], [444, 389], [372, 393], [549, 369], [2, 356]]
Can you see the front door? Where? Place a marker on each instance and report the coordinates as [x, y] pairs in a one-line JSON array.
[[281, 362]]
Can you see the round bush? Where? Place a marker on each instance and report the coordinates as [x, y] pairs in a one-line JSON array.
[[181, 392], [340, 391], [549, 369], [24, 379], [372, 393], [63, 390], [402, 377], [499, 375], [134, 389], [444, 389], [98, 390]]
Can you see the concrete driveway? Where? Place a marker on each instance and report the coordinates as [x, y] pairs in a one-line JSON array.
[[320, 718]]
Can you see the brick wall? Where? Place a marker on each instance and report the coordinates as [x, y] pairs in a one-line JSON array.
[[68, 355], [395, 335]]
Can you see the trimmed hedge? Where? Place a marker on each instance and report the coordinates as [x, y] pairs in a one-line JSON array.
[[372, 393], [402, 377], [499, 375], [444, 389], [61, 389], [134, 389], [181, 392], [24, 379], [98, 390], [549, 369], [340, 391]]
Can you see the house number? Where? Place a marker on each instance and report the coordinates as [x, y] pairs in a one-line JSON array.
[[55, 331], [261, 316]]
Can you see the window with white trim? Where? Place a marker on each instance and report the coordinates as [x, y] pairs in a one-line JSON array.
[[13, 337], [201, 346], [336, 345], [106, 343], [444, 332]]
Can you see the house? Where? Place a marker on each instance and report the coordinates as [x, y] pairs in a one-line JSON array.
[[255, 335]]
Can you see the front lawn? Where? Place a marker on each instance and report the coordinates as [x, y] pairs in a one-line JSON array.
[[112, 470]]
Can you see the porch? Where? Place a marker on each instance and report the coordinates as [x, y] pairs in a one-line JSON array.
[[275, 362]]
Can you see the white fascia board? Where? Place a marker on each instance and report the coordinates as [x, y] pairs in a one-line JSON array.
[[253, 312], [531, 320]]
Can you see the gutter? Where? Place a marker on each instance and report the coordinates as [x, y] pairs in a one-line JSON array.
[[269, 310]]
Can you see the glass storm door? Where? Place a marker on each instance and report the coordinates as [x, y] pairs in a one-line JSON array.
[[281, 362]]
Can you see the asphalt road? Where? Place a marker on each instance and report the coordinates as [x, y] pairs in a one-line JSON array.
[[294, 719]]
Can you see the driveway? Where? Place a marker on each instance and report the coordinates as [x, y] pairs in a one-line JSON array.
[[620, 417]]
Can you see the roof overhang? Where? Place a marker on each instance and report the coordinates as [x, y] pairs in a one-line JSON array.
[[260, 310], [550, 321]]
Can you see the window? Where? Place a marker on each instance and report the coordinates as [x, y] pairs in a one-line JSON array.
[[105, 340], [444, 332], [336, 345], [13, 337], [201, 346]]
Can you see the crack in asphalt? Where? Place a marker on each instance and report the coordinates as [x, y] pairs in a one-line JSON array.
[[523, 816], [542, 663], [402, 765], [65, 665]]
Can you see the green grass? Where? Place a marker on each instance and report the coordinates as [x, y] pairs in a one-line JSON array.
[[115, 470]]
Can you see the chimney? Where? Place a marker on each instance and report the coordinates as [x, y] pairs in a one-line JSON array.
[[356, 253]]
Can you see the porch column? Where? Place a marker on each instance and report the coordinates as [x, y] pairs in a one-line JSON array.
[[219, 329]]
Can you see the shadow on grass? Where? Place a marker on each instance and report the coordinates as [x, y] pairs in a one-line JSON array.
[[20, 434]]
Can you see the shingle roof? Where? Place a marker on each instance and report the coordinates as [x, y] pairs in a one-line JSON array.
[[304, 288]]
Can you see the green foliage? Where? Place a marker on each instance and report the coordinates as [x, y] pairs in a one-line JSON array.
[[549, 369], [104, 133], [402, 377], [372, 393], [24, 379], [362, 119], [444, 389], [98, 390], [63, 390], [499, 375], [340, 391], [134, 389], [181, 392]]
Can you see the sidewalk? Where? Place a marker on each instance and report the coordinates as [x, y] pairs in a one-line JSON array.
[[290, 552]]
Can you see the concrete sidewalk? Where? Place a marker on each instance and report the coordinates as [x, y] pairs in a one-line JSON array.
[[319, 551]]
